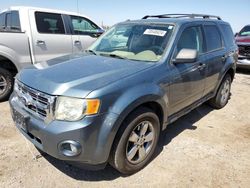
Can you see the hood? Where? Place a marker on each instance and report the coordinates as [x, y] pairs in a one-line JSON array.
[[242, 39], [78, 75]]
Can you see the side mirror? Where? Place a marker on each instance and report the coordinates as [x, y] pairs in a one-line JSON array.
[[236, 34], [186, 56], [98, 33]]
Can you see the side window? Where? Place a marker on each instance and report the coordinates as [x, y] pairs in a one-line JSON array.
[[2, 21], [49, 23], [12, 21], [213, 38], [82, 25], [228, 35], [191, 38]]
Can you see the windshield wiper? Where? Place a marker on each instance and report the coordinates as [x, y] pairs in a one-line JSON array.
[[113, 55], [91, 51]]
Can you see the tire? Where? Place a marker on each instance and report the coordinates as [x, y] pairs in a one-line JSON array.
[[223, 94], [6, 84], [136, 141]]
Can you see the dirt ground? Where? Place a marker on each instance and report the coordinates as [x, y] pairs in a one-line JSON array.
[[206, 148]]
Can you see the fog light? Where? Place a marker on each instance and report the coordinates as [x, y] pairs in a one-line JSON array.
[[70, 148]]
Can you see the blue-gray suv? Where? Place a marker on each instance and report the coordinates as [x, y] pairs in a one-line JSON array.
[[110, 103]]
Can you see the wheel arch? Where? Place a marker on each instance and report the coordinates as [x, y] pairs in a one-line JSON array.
[[8, 64], [154, 105], [153, 102], [231, 71]]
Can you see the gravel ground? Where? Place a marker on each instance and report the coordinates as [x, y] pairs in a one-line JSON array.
[[206, 148]]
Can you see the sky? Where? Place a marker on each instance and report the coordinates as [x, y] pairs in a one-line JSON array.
[[109, 12]]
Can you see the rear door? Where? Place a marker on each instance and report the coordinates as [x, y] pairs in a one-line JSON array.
[[50, 36], [215, 56], [84, 32]]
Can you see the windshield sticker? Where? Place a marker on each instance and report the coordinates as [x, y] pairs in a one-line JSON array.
[[155, 32]]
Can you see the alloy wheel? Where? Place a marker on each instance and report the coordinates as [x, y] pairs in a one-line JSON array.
[[225, 92], [140, 142], [3, 84]]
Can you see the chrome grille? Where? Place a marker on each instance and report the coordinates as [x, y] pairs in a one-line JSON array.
[[34, 101]]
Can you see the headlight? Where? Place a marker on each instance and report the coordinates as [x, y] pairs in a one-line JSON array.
[[74, 109]]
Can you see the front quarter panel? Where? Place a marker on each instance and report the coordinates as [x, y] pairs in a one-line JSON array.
[[123, 101]]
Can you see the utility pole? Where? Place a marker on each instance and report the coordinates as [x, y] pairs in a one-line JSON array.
[[77, 4]]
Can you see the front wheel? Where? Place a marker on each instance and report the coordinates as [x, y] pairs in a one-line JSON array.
[[136, 141], [222, 96]]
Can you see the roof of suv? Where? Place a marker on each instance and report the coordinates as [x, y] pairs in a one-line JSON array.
[[179, 18]]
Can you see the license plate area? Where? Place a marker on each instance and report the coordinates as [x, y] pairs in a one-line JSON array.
[[20, 120]]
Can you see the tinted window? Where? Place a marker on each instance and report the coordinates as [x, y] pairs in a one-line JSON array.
[[228, 34], [191, 38], [213, 37], [2, 21], [83, 25], [12, 21], [245, 31], [49, 23]]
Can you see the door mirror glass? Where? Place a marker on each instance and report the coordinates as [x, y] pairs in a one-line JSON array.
[[186, 56], [97, 33]]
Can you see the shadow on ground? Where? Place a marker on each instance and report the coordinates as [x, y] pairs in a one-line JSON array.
[[173, 130], [182, 124], [243, 71], [81, 174]]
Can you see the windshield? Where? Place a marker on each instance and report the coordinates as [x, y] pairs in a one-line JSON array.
[[141, 42], [245, 31]]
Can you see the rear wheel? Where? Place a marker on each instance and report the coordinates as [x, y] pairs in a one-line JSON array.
[[6, 84], [223, 93], [136, 141]]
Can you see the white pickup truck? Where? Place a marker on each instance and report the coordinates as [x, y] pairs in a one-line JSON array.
[[30, 35]]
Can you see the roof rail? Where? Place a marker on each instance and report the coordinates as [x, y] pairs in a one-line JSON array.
[[205, 16]]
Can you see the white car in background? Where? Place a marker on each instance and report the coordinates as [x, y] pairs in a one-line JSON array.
[[30, 35]]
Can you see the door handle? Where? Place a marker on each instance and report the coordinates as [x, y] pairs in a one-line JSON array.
[[202, 66], [224, 58], [77, 42], [40, 42]]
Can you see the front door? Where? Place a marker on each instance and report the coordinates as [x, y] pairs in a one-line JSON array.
[[49, 36], [85, 32], [188, 81]]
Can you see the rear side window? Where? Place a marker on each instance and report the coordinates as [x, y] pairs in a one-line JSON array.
[[12, 21], [228, 35], [49, 23], [213, 38]]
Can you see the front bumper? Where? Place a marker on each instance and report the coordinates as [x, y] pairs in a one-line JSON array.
[[243, 63], [95, 134]]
